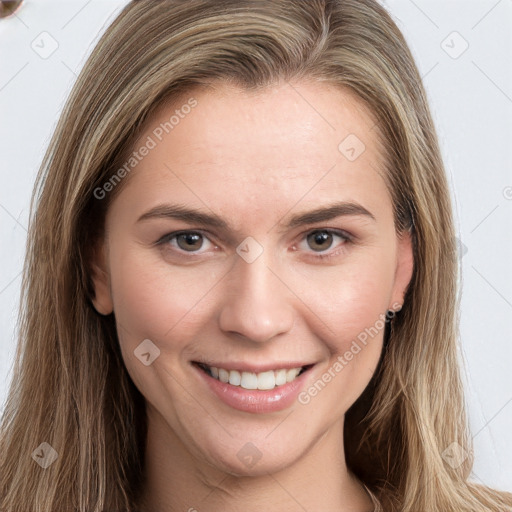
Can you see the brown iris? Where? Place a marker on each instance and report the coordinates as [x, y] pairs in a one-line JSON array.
[[189, 241], [320, 240]]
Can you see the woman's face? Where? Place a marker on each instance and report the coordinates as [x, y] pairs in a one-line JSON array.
[[254, 235]]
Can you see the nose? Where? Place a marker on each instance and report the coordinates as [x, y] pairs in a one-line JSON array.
[[256, 304]]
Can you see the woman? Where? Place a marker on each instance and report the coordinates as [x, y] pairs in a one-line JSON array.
[[241, 276]]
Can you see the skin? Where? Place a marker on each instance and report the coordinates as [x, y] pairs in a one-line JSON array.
[[256, 160]]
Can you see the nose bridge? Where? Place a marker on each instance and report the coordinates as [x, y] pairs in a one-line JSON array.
[[256, 304]]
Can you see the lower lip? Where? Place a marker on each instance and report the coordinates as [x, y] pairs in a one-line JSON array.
[[253, 400]]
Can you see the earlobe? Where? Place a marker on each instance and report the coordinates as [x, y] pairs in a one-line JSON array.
[[102, 299], [404, 269]]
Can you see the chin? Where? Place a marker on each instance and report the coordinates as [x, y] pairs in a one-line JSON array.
[[250, 461]]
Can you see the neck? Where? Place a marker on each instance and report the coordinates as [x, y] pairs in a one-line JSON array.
[[176, 480]]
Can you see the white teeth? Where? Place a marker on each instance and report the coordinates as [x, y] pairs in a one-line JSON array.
[[280, 377], [266, 380], [291, 374], [235, 378], [223, 375], [249, 380]]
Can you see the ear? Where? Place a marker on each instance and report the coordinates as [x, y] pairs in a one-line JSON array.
[[404, 269], [102, 299]]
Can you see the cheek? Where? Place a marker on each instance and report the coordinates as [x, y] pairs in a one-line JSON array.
[[153, 301], [354, 310], [349, 298], [346, 308]]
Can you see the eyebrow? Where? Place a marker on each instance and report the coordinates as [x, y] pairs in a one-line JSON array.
[[340, 209], [179, 212]]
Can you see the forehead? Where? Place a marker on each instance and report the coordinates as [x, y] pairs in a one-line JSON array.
[[305, 141], [285, 123]]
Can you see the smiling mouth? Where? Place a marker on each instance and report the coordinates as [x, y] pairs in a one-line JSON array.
[[263, 381]]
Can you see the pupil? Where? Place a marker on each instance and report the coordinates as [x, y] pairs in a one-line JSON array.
[[317, 241], [190, 241]]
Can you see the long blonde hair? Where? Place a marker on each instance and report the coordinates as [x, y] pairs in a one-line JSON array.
[[70, 387]]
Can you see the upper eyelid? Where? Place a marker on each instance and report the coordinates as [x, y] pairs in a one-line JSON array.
[[206, 233], [335, 231], [175, 234]]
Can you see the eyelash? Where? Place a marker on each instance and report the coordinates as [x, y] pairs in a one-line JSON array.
[[346, 239]]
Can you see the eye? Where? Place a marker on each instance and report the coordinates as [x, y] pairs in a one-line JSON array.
[[321, 240], [187, 241]]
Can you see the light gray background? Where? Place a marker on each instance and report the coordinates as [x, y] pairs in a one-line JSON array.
[[44, 45]]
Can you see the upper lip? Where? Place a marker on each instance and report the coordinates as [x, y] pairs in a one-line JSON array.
[[255, 368]]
